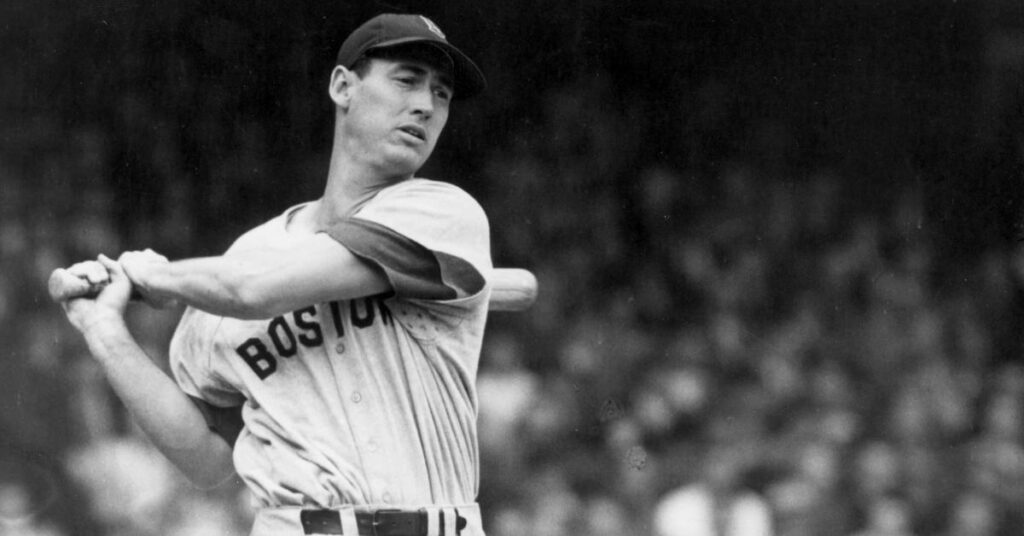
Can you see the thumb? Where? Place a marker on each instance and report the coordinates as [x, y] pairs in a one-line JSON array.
[[112, 266]]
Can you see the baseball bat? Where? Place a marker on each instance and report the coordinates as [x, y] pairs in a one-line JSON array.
[[512, 289]]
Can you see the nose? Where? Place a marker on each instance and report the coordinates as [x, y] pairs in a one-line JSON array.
[[422, 102]]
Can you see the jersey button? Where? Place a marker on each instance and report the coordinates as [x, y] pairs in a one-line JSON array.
[[357, 397], [372, 446], [340, 348], [386, 497]]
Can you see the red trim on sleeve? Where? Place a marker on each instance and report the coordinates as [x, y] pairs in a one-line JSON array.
[[225, 422], [414, 271]]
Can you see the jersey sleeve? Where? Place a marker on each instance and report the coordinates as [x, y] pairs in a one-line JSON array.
[[191, 348], [191, 364], [431, 239]]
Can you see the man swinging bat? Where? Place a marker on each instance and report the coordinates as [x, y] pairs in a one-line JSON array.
[[331, 353]]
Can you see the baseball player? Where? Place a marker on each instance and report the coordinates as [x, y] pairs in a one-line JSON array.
[[331, 353]]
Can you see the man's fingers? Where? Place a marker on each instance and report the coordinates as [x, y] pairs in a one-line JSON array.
[[92, 271], [65, 285], [146, 255], [82, 279], [110, 266], [156, 256]]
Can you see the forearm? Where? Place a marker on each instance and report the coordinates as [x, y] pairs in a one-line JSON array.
[[217, 285], [261, 283], [160, 408]]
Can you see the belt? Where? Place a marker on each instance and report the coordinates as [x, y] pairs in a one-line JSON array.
[[383, 522]]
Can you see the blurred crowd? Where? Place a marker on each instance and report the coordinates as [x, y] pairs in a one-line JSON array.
[[726, 343], [743, 354]]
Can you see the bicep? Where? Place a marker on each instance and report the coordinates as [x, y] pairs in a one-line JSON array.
[[314, 269]]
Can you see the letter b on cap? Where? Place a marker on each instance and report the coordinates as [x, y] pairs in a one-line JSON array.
[[432, 27]]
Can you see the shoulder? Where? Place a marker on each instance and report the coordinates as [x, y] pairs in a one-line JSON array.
[[428, 212], [427, 194]]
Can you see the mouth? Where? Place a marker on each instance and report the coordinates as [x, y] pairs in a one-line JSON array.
[[414, 131]]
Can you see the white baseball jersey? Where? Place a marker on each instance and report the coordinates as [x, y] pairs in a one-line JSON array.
[[364, 401]]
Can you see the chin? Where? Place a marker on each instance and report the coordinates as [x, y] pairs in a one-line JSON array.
[[405, 164]]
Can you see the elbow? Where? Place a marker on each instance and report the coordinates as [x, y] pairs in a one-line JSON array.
[[246, 298], [211, 469], [248, 305]]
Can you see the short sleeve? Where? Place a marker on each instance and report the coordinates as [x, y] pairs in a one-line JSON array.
[[191, 349], [430, 238]]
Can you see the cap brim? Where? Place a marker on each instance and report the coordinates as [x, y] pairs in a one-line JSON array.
[[469, 79]]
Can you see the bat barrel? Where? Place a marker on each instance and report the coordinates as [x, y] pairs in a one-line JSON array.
[[512, 289]]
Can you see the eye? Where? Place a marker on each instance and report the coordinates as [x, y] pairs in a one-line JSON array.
[[443, 94]]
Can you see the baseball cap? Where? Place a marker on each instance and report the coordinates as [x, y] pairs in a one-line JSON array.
[[392, 29]]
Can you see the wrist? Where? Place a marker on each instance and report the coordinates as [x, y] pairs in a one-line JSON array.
[[104, 331], [145, 279], [137, 274]]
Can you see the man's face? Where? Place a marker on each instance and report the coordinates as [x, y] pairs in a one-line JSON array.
[[397, 112]]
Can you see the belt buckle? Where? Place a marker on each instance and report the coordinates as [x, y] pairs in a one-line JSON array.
[[377, 522]]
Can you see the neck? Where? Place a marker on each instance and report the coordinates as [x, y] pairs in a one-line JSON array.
[[350, 183]]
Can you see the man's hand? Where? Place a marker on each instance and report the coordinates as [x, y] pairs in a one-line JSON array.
[[85, 314], [162, 410], [138, 266]]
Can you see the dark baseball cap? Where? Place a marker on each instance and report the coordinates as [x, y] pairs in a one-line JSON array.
[[390, 29]]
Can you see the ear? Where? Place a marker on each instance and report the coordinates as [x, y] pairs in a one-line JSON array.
[[340, 88]]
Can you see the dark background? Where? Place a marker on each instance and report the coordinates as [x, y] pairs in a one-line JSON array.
[[690, 180], [889, 92]]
